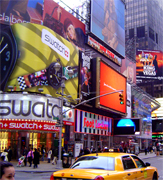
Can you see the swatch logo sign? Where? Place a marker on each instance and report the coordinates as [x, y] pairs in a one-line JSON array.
[[55, 44]]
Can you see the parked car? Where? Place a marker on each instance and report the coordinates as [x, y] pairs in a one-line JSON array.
[[107, 165]]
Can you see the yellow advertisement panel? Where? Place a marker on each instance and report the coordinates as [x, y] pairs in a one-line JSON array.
[[39, 50]]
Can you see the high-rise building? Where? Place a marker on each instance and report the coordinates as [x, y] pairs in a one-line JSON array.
[[143, 28]]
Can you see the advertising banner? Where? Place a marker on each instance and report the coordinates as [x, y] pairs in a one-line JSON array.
[[21, 11], [128, 69], [86, 122], [64, 23], [110, 81], [146, 128], [85, 75], [108, 23], [149, 64], [100, 48], [12, 124], [39, 50]]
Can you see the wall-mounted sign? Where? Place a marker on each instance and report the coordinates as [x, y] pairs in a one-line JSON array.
[[33, 107], [33, 125], [90, 123], [99, 47]]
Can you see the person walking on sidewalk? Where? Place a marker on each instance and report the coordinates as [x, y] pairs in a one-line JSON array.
[[43, 152], [36, 158], [25, 152], [30, 157], [49, 155], [55, 153]]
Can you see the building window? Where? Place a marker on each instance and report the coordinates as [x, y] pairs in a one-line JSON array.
[[156, 38], [151, 34], [141, 31], [131, 33]]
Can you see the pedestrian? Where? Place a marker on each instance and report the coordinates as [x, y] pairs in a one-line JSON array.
[[86, 150], [36, 158], [146, 151], [49, 155], [25, 152], [81, 153], [9, 153], [55, 154], [157, 149], [30, 156], [43, 152], [7, 171]]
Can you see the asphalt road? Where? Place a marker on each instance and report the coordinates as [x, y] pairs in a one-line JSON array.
[[157, 162]]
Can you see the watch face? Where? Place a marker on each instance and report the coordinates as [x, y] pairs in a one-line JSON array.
[[54, 77], [7, 56]]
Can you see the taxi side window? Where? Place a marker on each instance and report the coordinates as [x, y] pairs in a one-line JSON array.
[[128, 163], [139, 162]]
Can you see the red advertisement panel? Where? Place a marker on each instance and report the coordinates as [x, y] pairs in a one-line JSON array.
[[64, 23], [110, 81], [149, 64], [21, 11], [34, 125]]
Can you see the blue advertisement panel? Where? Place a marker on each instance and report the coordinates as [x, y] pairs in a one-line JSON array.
[[109, 23]]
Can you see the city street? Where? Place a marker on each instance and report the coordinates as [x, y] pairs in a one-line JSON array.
[[45, 173]]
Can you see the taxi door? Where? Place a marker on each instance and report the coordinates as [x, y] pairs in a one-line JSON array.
[[130, 170], [143, 172]]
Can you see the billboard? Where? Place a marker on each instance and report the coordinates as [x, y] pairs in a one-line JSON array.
[[149, 64], [128, 69], [108, 23], [18, 11], [64, 23], [110, 81], [126, 126], [39, 50]]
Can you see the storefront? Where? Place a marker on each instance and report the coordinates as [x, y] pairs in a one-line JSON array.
[[27, 120]]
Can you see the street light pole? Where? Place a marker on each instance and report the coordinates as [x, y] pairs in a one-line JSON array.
[[59, 162]]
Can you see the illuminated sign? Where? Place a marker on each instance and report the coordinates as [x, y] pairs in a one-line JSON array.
[[149, 64], [28, 107], [108, 23], [110, 81], [33, 125], [90, 123], [93, 43]]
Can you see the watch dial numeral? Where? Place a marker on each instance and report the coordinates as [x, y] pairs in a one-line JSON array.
[[4, 68], [7, 56]]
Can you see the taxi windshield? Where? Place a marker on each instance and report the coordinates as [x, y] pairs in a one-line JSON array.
[[94, 162]]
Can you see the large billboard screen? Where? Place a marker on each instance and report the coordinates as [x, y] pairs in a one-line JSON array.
[[21, 11], [34, 67], [110, 81], [65, 24], [126, 126], [149, 64], [108, 23]]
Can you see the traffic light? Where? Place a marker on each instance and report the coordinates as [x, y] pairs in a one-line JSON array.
[[121, 98]]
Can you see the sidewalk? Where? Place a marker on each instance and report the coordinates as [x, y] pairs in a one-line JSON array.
[[48, 167]]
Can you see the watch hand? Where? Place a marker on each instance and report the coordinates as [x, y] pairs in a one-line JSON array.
[[1, 40], [57, 77], [3, 48]]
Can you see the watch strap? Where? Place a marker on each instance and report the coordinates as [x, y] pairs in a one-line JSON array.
[[38, 78]]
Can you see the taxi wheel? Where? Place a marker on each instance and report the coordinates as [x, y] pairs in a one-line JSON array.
[[155, 176]]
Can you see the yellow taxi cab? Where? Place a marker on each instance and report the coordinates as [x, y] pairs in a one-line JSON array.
[[106, 166]]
